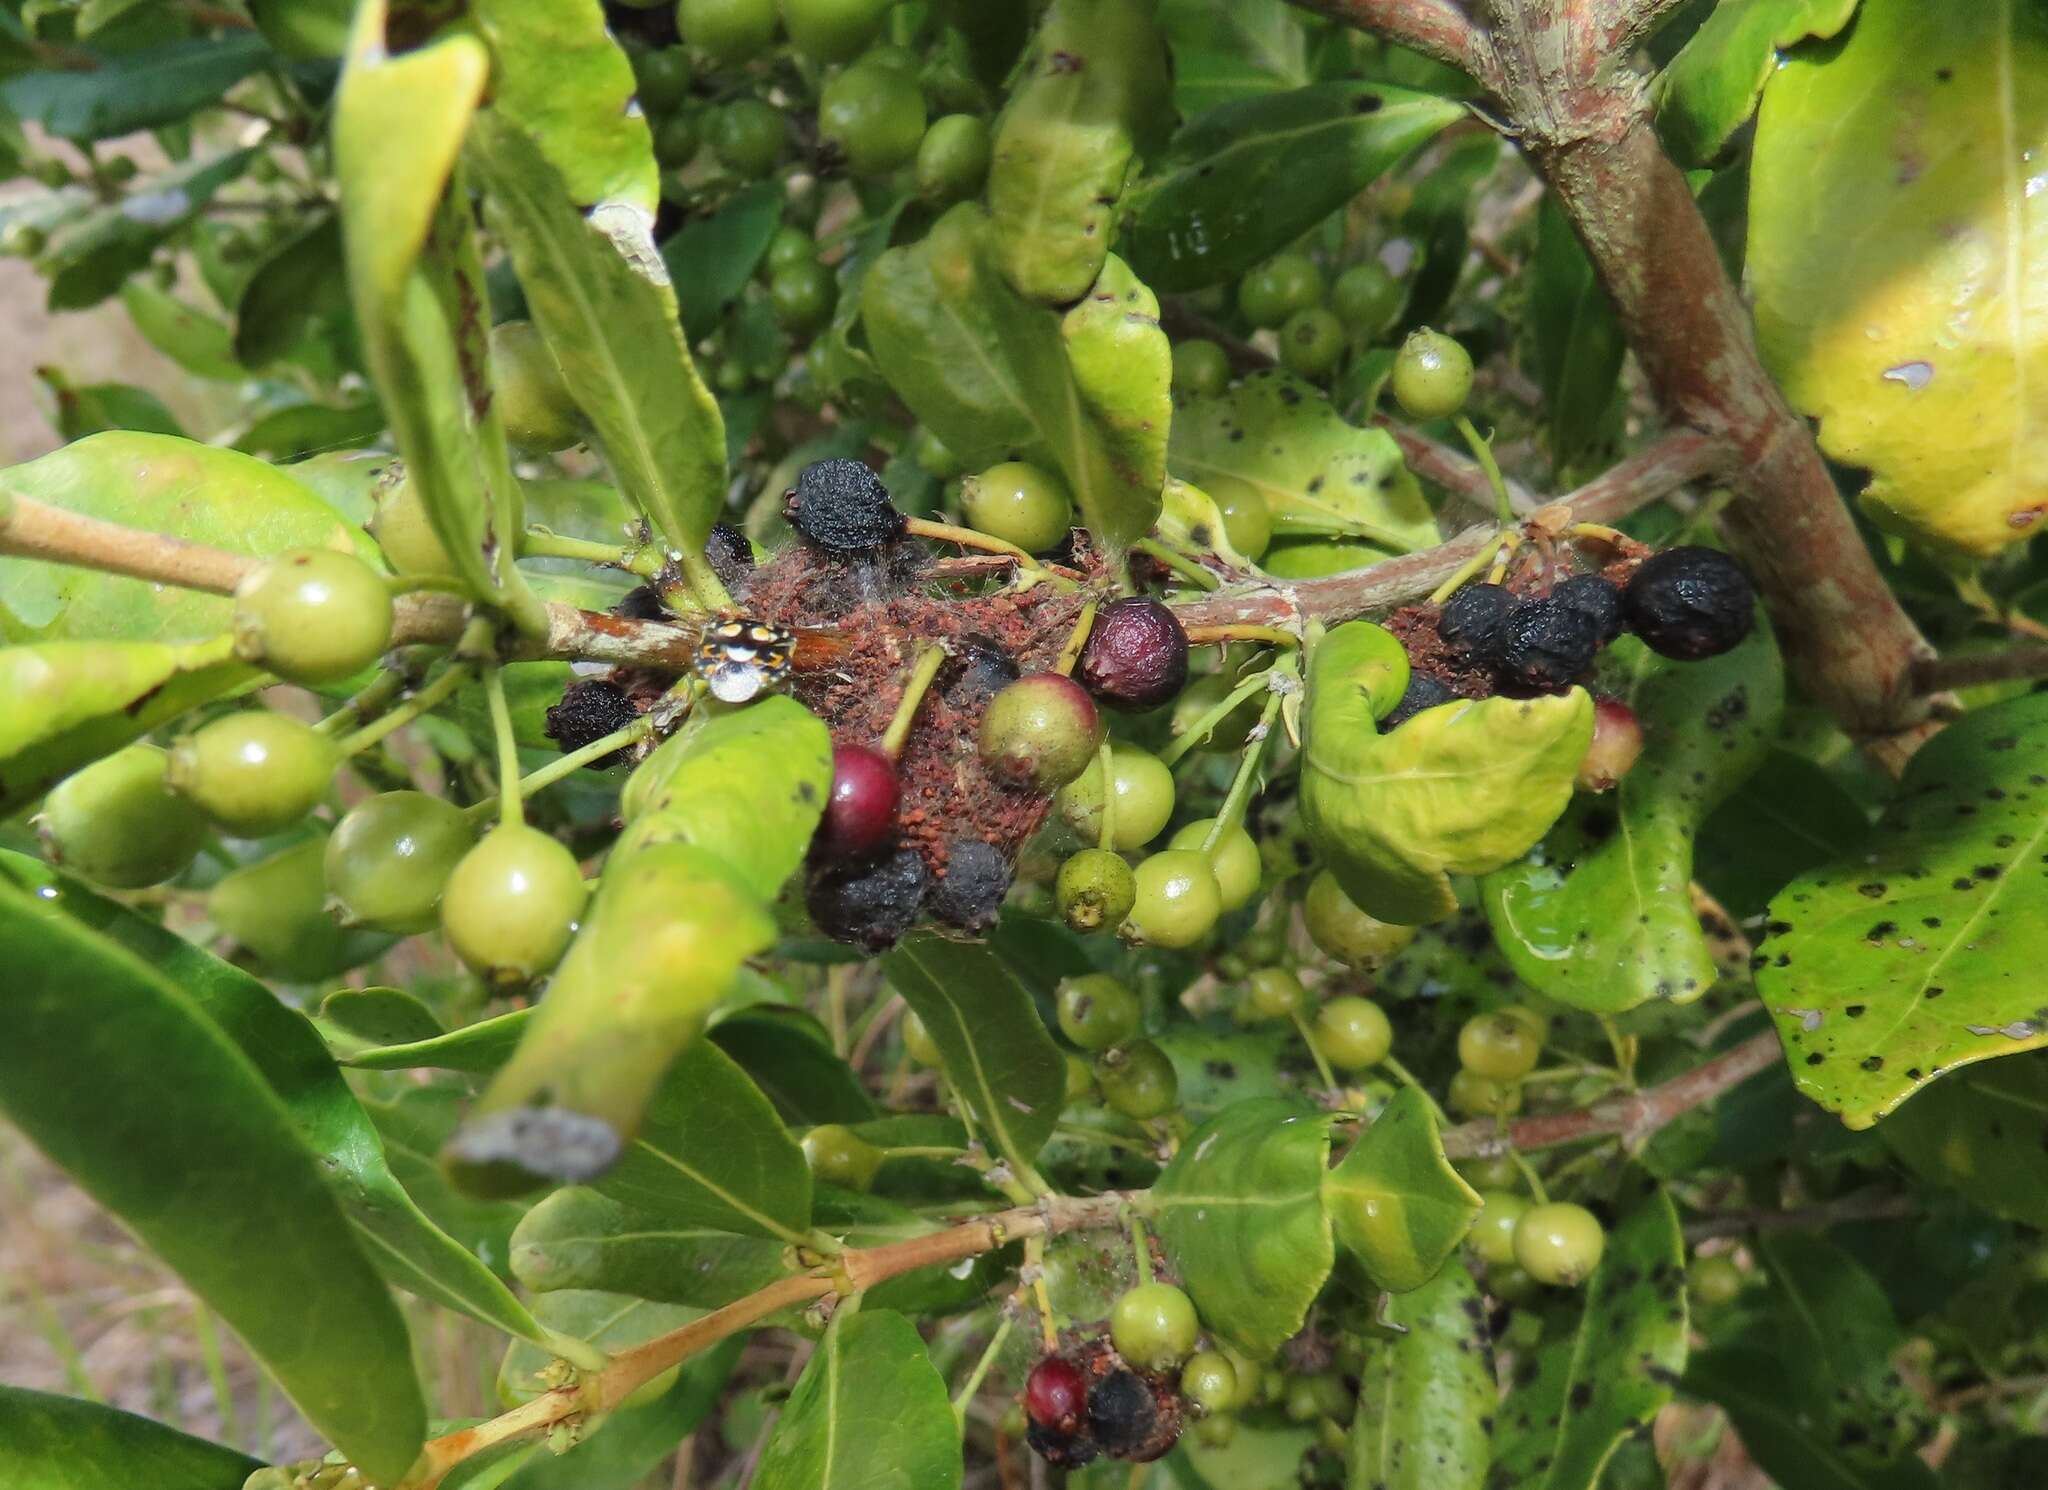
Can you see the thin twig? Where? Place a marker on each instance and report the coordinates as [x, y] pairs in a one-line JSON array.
[[1457, 474], [1435, 28], [1872, 1206], [35, 530], [2009, 665]]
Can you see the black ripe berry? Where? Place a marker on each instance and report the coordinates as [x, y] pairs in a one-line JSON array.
[[1543, 645], [1598, 598], [1060, 1450], [984, 669], [590, 709], [841, 505], [1423, 692], [1134, 1417], [641, 603], [1137, 655], [1471, 620], [730, 555], [869, 905], [969, 895], [1690, 603]]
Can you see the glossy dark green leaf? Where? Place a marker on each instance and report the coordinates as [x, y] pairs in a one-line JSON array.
[[293, 291], [380, 1016], [991, 1038], [630, 1444], [1247, 178], [1712, 86], [1396, 1203], [413, 1126], [87, 261], [1600, 915], [1982, 1132], [1240, 1213], [1923, 953], [61, 1443], [483, 1046], [309, 428], [1613, 1374], [790, 1059], [1439, 220], [1426, 1396], [869, 1410], [608, 1321], [93, 408], [122, 1079], [1790, 816], [134, 90], [1228, 50], [199, 343], [1578, 348], [712, 258], [578, 1238], [602, 298]]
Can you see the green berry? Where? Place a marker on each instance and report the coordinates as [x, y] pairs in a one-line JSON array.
[[1140, 786], [1201, 368], [1432, 375], [1311, 342], [1278, 288], [530, 395], [1217, 1431], [1366, 298], [1041, 731], [839, 1156], [1096, 1011], [1247, 516], [400, 526], [952, 158], [1273, 993], [1153, 1326], [23, 240], [873, 115], [832, 30], [276, 912], [1019, 503], [312, 616], [389, 859], [1353, 1033], [1080, 1080], [1137, 1080], [1209, 1382], [1343, 931], [254, 772], [789, 248], [677, 140], [1493, 1230], [1511, 1285], [918, 1041], [1316, 1396], [727, 31], [661, 79], [1559, 1243], [117, 824], [511, 905], [1234, 860], [1499, 1045], [802, 297], [747, 136], [1473, 1095], [1713, 1280], [1497, 1173], [1095, 888], [1198, 698], [1177, 900]]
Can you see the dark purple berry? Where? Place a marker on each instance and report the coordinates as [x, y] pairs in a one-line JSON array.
[[969, 895], [1543, 645], [1056, 1394], [1598, 597], [860, 811], [1134, 1417], [641, 603], [869, 905], [1060, 1450], [841, 505], [1137, 655], [1690, 602], [1423, 692], [1471, 620], [590, 709], [730, 555]]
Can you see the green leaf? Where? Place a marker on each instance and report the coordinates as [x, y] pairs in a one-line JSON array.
[[69, 703], [1980, 1132], [1122, 369], [97, 407], [1094, 80], [991, 1039], [1240, 1213], [1257, 1454], [564, 82], [989, 371], [1614, 1373], [602, 299], [1425, 1397], [87, 261], [483, 1046], [380, 1016], [60, 1443], [196, 341], [307, 429], [1578, 346], [1923, 953], [869, 1410], [1908, 339], [1788, 817], [789, 1056], [1247, 178], [1395, 1201], [1228, 50], [1600, 916], [579, 1239], [712, 259], [630, 1444], [413, 1126], [126, 1084], [294, 291], [605, 1320], [134, 90], [1317, 473], [1712, 86]]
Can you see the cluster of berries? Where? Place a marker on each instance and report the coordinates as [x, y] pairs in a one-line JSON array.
[[1090, 1401]]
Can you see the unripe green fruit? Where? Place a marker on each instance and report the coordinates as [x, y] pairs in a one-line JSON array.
[[1497, 1173], [1095, 889], [1041, 731], [789, 248], [530, 395], [1217, 1431], [727, 31], [1714, 1280], [1493, 1230], [23, 240], [1247, 516], [511, 905], [1209, 1381], [1080, 1080], [403, 532], [874, 115], [1153, 1326], [117, 824], [1473, 1095], [953, 158], [390, 858], [1201, 369], [747, 136], [254, 772], [1234, 860], [832, 30], [1273, 993], [918, 1041], [1278, 288], [276, 911], [802, 297], [1311, 342], [1343, 931], [677, 140], [1314, 1397], [1177, 901], [1097, 1011], [1366, 297], [1137, 1080], [661, 79], [1140, 785], [1353, 1033], [1559, 1243], [312, 616], [1500, 1046], [1432, 375], [839, 1156], [1019, 503]]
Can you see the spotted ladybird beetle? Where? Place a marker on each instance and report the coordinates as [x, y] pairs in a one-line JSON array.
[[740, 659]]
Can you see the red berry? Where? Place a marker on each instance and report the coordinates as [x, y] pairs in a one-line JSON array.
[[1617, 741], [1137, 655], [860, 815], [1056, 1394]]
